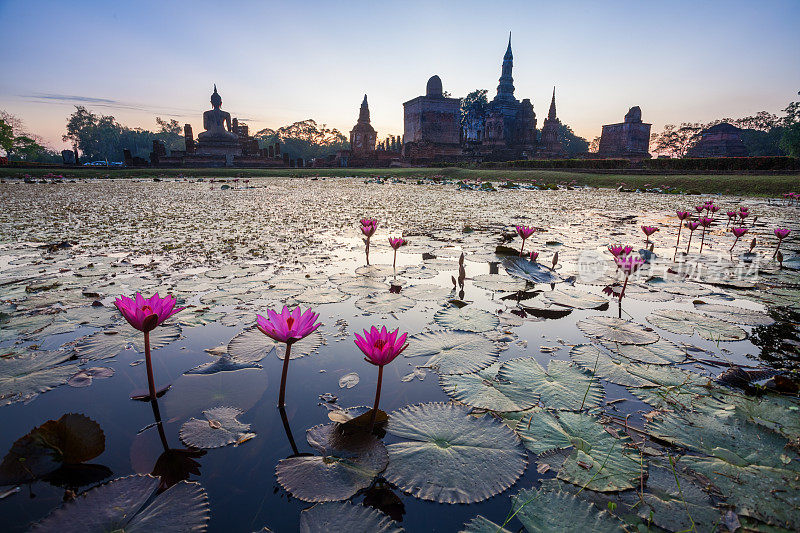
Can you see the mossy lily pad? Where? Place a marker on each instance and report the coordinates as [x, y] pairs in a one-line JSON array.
[[551, 512], [450, 456], [687, 323], [561, 386], [483, 390], [345, 516], [347, 464], [467, 318], [127, 504], [599, 363], [661, 352], [612, 329], [453, 352], [220, 428]]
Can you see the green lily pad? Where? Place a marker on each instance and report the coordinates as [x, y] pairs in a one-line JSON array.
[[127, 504], [595, 459], [481, 524], [345, 517], [612, 329], [599, 363], [559, 512], [453, 352], [498, 282], [466, 319], [661, 352], [220, 428], [25, 376], [522, 268], [450, 456], [110, 342], [575, 298], [483, 390], [386, 302], [734, 315], [251, 346], [687, 323], [561, 386], [321, 295], [346, 465]]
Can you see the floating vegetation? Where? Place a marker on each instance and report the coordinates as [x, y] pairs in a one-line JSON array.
[[220, 428]]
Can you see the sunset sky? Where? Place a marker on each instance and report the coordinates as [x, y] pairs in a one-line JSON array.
[[279, 62]]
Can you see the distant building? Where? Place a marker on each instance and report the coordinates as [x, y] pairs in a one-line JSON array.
[[722, 140], [363, 136], [431, 125], [550, 146], [629, 139]]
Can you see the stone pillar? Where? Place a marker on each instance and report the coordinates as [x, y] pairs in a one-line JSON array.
[[271, 151], [188, 137], [277, 149], [285, 159]]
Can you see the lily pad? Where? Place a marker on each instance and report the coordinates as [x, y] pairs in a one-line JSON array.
[[85, 377], [687, 323], [482, 389], [466, 319], [345, 517], [226, 363], [498, 282], [734, 315], [385, 303], [551, 512], [562, 386], [661, 352], [522, 268], [453, 352], [481, 524], [612, 329], [599, 363], [575, 298], [25, 376], [450, 456], [321, 295], [349, 380], [109, 343], [127, 504], [251, 346], [346, 465], [220, 428]]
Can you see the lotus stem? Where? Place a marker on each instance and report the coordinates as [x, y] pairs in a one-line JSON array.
[[690, 242], [777, 248], [522, 247], [367, 250], [377, 399], [624, 285], [734, 244], [288, 430], [149, 364], [159, 425], [282, 395], [702, 239], [680, 227], [394, 259]]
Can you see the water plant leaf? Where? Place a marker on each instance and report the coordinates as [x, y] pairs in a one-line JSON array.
[[35, 372], [575, 298], [466, 319], [520, 267], [687, 323], [85, 377], [561, 386], [225, 363], [481, 524], [251, 346], [453, 352], [385, 303], [363, 285], [498, 282], [109, 343], [72, 439], [551, 512], [349, 380], [345, 516], [661, 352], [483, 390], [125, 504], [450, 456], [321, 295], [192, 394], [734, 315], [220, 428], [598, 362], [426, 291], [346, 465], [612, 329], [595, 459]]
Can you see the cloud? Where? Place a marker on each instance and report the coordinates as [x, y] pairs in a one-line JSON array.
[[109, 103]]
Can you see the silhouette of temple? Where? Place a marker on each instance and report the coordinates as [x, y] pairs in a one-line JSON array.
[[550, 146]]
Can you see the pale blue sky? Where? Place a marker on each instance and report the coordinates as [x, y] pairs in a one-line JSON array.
[[278, 62]]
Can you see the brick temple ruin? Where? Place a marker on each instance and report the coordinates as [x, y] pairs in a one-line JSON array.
[[720, 140], [627, 140]]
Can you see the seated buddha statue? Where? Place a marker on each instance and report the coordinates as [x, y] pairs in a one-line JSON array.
[[217, 122]]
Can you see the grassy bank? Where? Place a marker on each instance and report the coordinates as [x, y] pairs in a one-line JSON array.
[[750, 185]]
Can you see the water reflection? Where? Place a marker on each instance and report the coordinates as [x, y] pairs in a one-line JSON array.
[[174, 464]]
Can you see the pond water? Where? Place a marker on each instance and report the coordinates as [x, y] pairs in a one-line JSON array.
[[552, 395]]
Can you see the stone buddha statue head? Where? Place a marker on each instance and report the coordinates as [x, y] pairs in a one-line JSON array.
[[216, 99]]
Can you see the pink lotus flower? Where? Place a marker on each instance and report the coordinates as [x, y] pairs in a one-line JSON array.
[[380, 349], [615, 249], [648, 230], [737, 232], [287, 327], [524, 232], [395, 243], [628, 265], [699, 208], [369, 222], [682, 215], [146, 314], [533, 256], [368, 227], [780, 233], [369, 230]]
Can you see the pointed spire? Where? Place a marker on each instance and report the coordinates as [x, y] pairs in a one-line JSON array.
[[363, 114], [552, 114], [508, 55], [215, 87]]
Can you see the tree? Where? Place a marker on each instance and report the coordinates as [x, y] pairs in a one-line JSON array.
[[790, 140], [675, 141], [474, 107], [6, 136], [169, 127], [573, 145], [594, 146], [305, 139]]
